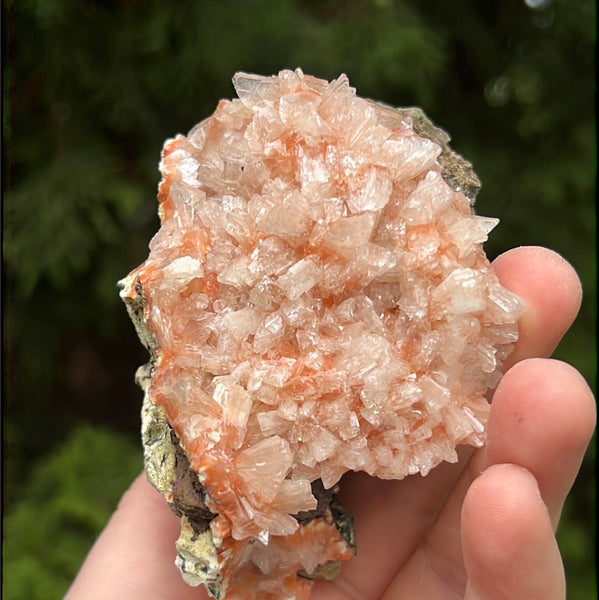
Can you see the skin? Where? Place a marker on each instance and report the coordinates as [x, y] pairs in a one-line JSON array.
[[481, 529]]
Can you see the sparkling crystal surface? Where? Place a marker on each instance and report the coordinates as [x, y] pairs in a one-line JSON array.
[[316, 301]]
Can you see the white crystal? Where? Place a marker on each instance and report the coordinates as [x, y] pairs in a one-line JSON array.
[[300, 278], [263, 467]]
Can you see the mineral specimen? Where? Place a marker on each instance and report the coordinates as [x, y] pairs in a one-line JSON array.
[[316, 301]]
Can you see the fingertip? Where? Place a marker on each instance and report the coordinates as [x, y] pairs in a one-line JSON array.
[[496, 497], [559, 390], [542, 417], [552, 294], [507, 538], [519, 267], [553, 391]]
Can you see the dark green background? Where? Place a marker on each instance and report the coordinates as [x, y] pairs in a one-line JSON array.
[[91, 91]]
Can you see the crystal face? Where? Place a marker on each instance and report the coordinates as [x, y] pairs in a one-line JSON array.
[[316, 301]]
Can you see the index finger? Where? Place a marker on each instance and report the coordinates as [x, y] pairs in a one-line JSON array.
[[551, 292]]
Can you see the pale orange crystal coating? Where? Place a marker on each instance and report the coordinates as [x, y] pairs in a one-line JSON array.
[[319, 301]]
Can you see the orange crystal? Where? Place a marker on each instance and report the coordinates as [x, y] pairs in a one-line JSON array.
[[316, 301]]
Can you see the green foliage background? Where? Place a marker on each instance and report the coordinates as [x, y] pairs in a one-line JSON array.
[[66, 502], [91, 91]]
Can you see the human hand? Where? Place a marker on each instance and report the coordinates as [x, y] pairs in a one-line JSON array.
[[481, 529]]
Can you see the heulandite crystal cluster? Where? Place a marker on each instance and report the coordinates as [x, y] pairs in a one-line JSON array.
[[316, 301]]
